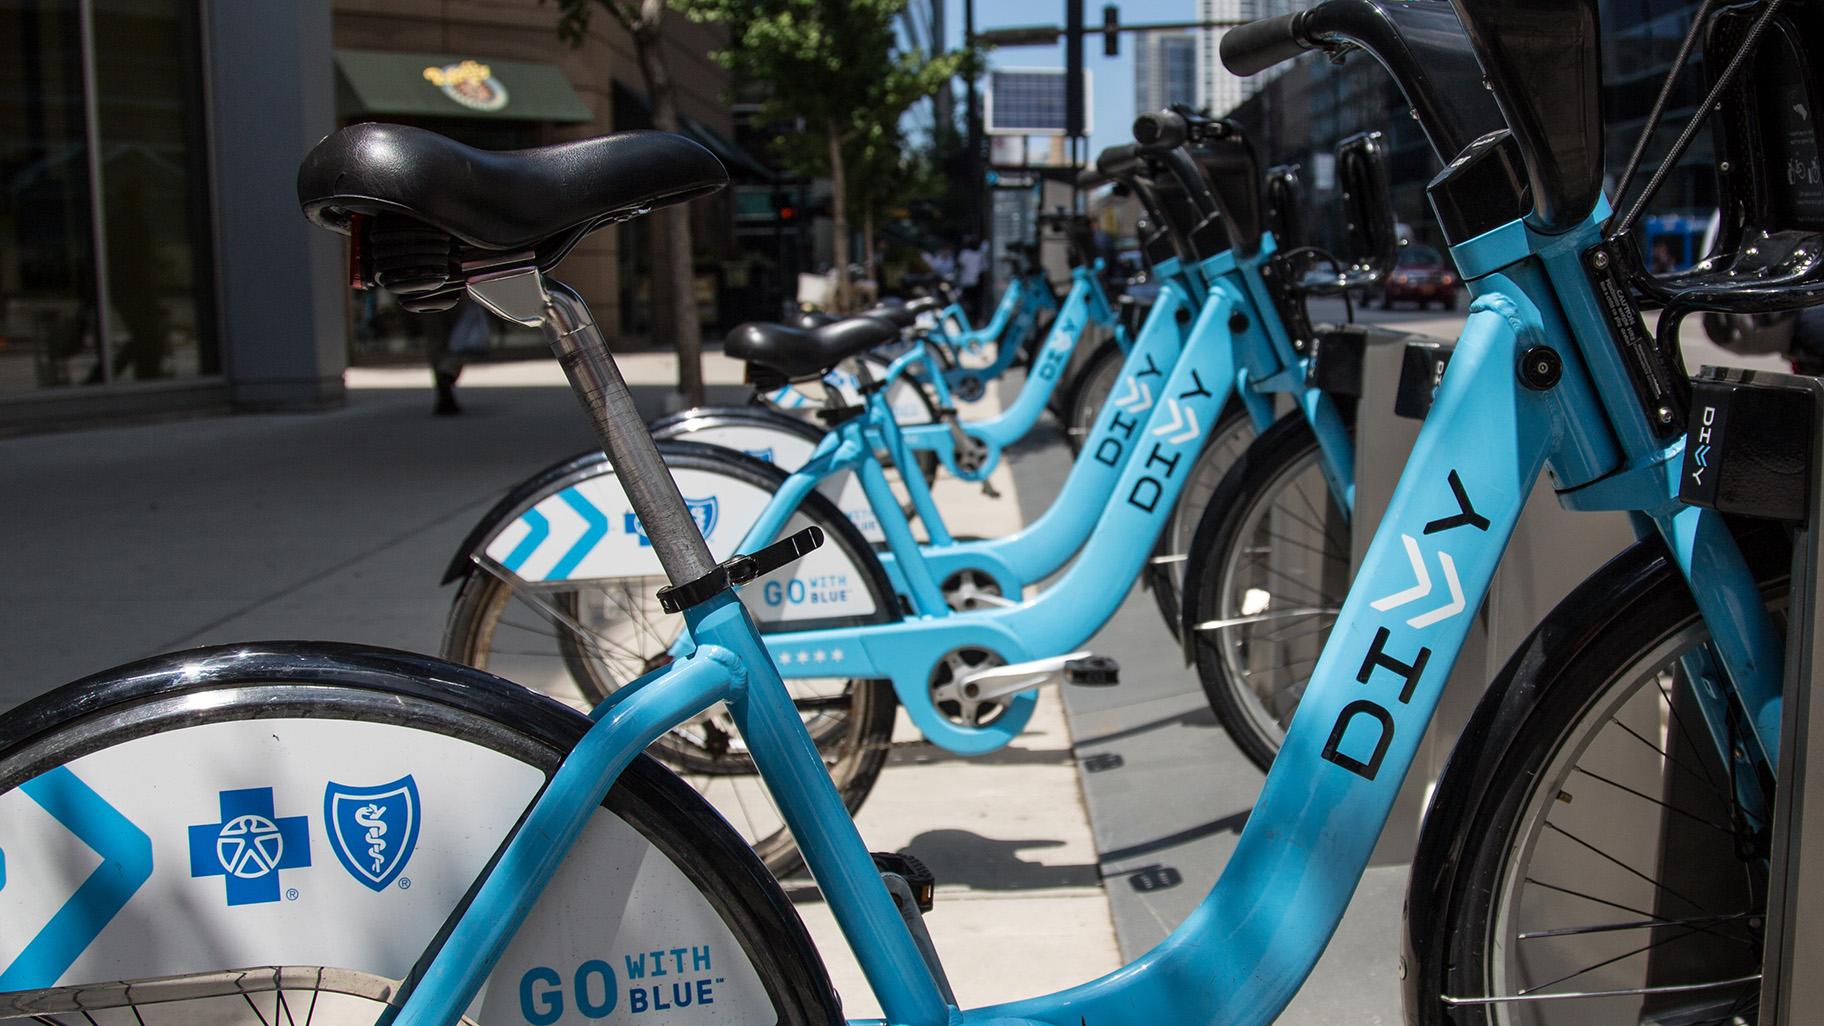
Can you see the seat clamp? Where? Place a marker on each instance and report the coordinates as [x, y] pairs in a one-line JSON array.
[[738, 570]]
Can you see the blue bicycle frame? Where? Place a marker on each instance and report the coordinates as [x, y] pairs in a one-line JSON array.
[[1140, 451], [1242, 954], [1086, 303]]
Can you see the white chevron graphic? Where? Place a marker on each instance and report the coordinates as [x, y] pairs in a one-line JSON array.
[[1423, 587], [1184, 421], [1139, 396]]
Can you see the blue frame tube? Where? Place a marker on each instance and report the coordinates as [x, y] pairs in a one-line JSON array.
[[788, 761], [1016, 420], [532, 855], [1045, 545], [1244, 952]]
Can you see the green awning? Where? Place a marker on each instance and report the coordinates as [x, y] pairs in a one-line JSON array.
[[395, 84]]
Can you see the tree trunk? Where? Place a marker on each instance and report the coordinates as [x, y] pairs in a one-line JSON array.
[[675, 298], [867, 242], [839, 215]]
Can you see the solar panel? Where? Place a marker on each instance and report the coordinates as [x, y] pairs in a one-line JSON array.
[[1030, 101]]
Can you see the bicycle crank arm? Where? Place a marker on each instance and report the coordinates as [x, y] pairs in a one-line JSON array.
[[993, 682]]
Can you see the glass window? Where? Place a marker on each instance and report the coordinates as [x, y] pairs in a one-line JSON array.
[[154, 200], [138, 194], [47, 267]]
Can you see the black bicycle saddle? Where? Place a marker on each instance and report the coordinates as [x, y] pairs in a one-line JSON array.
[[807, 353], [500, 200]]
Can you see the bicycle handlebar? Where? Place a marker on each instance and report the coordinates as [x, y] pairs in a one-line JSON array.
[[1161, 129], [1421, 43], [1119, 161], [1257, 46]]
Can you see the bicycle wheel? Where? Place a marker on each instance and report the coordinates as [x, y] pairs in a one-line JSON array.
[[1233, 435], [1089, 390], [1585, 859], [1268, 573], [282, 828], [578, 641]]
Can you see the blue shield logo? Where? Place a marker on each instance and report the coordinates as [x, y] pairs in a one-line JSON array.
[[703, 511], [373, 829]]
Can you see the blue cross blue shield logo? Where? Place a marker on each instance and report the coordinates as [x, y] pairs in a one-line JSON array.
[[373, 829], [704, 511], [249, 846]]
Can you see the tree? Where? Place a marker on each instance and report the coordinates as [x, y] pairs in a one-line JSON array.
[[677, 316], [831, 63]]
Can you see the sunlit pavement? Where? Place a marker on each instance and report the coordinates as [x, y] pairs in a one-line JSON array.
[[134, 540]]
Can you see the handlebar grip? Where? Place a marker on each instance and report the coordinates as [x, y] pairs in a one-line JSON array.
[[1160, 130], [1119, 161], [1257, 46]]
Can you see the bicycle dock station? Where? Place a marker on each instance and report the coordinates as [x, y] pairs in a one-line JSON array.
[[1467, 683]]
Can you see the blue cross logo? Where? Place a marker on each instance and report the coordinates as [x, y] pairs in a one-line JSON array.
[[249, 846]]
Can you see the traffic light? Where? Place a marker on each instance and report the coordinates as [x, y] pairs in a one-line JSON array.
[[1111, 30]]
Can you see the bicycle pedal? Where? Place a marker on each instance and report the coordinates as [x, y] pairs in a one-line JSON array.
[[914, 872], [1092, 672]]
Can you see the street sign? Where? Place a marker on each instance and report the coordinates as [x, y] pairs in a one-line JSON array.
[[1032, 101], [1012, 179]]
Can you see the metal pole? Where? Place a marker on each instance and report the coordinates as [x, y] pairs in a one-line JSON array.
[[98, 221], [525, 296], [977, 186]]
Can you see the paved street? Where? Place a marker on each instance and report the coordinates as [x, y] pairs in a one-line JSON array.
[[337, 526]]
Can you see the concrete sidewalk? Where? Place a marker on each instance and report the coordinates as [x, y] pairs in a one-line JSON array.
[[125, 542]]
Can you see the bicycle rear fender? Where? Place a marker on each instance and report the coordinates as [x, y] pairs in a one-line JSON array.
[[287, 839], [572, 522]]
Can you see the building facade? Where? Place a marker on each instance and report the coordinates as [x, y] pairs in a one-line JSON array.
[[152, 257], [1165, 70]]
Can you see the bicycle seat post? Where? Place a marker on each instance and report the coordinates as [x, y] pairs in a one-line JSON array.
[[525, 296]]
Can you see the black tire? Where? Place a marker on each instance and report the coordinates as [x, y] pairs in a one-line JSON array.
[[1164, 573], [1253, 669], [1560, 792], [205, 688], [851, 720], [1089, 389]]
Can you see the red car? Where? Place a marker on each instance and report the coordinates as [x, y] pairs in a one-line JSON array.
[[1420, 275]]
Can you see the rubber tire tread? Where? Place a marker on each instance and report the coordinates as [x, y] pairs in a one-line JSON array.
[[1630, 605], [1079, 387], [1289, 439]]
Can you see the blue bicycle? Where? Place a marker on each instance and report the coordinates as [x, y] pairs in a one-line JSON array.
[[558, 580], [227, 834]]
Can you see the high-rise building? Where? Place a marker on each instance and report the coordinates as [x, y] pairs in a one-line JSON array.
[[1165, 70], [1217, 90]]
